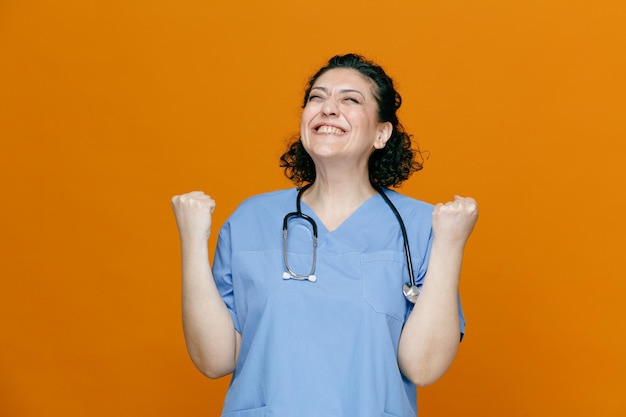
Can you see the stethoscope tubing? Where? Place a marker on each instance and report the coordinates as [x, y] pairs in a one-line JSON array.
[[407, 250], [298, 213]]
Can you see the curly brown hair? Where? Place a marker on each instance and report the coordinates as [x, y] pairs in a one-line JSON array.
[[389, 166]]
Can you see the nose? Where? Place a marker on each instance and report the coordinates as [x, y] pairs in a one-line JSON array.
[[330, 108]]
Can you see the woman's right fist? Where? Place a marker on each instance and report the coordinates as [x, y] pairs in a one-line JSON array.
[[193, 214]]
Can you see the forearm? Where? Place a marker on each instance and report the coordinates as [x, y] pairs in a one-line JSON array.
[[430, 337], [208, 327]]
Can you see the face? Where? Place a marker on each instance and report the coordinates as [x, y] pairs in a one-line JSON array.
[[340, 119]]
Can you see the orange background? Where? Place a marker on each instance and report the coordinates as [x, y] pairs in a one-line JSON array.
[[108, 108]]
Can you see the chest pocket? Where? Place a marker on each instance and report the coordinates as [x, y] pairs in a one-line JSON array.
[[384, 272]]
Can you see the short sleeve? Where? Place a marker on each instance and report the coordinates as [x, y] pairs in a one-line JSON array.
[[222, 272]]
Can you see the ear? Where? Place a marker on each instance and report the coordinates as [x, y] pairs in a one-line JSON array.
[[384, 133]]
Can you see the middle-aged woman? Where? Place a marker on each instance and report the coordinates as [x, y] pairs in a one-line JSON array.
[[320, 327]]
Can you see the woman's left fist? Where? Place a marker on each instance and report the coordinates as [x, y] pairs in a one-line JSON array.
[[455, 220]]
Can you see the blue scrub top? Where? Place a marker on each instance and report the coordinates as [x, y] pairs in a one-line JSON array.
[[324, 348]]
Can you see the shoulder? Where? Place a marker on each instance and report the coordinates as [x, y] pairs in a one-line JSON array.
[[408, 205], [265, 204], [259, 212]]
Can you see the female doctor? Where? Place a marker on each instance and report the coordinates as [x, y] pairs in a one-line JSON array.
[[304, 303]]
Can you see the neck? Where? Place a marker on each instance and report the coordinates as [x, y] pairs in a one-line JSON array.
[[341, 180], [334, 201]]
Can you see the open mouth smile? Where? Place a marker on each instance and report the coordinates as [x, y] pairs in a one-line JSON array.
[[328, 130]]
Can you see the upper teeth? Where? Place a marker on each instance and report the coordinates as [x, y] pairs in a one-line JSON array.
[[329, 130]]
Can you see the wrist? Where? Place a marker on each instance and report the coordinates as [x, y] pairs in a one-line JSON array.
[[448, 245], [194, 243]]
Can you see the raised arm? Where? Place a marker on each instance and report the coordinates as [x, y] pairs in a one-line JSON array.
[[430, 337], [210, 335]]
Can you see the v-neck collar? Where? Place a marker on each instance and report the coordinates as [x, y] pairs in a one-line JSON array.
[[320, 224]]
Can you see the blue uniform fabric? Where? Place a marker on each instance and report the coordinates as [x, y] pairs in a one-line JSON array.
[[325, 348]]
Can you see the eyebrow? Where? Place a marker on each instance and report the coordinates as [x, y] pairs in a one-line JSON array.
[[344, 91]]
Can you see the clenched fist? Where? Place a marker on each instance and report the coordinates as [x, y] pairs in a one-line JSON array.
[[454, 221], [193, 215]]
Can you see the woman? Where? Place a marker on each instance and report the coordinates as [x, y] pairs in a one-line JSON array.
[[322, 328]]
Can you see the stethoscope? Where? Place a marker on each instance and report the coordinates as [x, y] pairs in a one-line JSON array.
[[409, 289]]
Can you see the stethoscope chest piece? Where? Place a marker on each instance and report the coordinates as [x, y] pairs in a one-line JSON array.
[[411, 292]]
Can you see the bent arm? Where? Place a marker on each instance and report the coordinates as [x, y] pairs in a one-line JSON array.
[[210, 335], [430, 337]]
